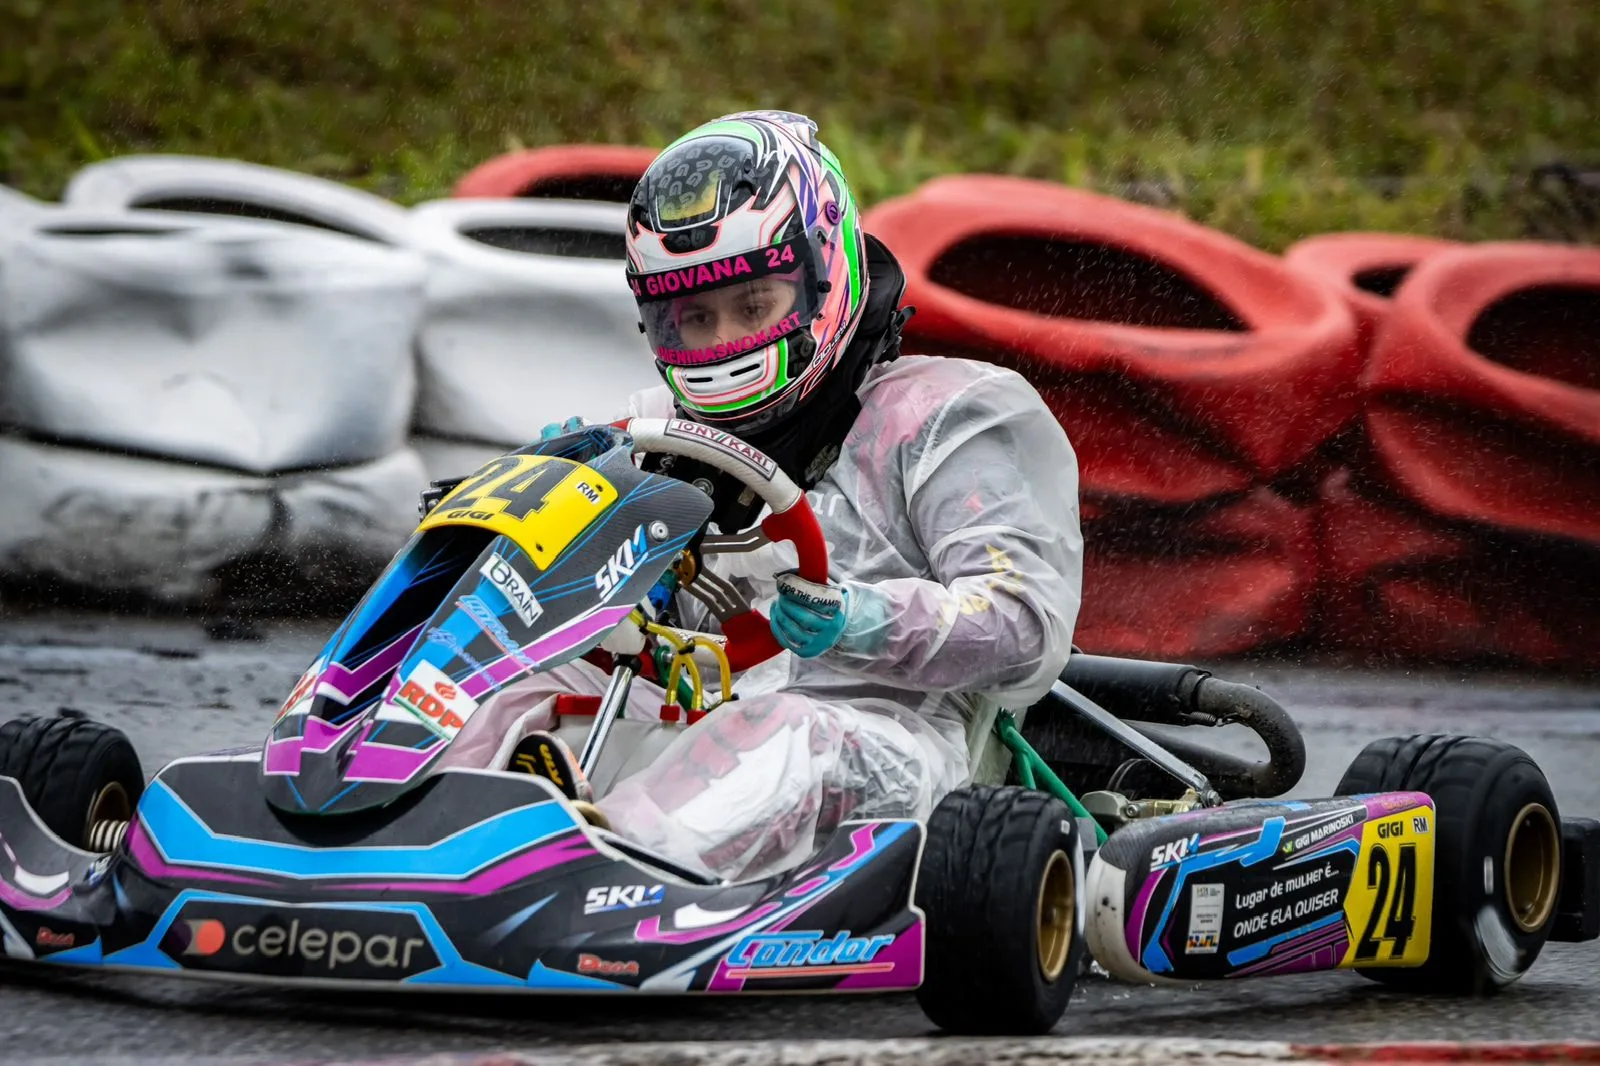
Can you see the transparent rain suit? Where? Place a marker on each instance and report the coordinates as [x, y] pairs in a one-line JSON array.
[[951, 517]]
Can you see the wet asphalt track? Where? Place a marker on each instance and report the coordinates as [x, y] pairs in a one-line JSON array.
[[176, 692]]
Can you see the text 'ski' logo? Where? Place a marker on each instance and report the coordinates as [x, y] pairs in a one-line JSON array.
[[623, 563]]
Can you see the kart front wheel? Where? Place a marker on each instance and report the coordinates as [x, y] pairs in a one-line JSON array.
[[1497, 856], [82, 778], [999, 884]]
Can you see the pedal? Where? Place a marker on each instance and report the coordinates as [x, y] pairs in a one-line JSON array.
[[545, 755]]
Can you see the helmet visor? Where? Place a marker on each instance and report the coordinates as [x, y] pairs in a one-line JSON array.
[[712, 312]]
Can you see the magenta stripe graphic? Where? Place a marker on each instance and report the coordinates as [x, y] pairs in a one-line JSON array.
[[553, 644], [906, 955], [385, 762], [350, 683], [317, 735], [1141, 906], [860, 848]]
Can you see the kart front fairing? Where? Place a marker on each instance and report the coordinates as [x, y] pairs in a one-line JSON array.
[[474, 880], [524, 566], [343, 855]]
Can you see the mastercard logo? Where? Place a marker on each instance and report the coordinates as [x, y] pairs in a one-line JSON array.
[[206, 936]]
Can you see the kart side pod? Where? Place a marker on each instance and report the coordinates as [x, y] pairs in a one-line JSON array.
[[1260, 888]]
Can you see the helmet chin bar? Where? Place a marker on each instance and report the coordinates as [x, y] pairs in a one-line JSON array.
[[750, 638]]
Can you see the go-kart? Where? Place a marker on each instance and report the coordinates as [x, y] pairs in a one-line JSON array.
[[341, 853]]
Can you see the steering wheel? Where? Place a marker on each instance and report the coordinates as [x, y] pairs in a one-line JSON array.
[[749, 635]]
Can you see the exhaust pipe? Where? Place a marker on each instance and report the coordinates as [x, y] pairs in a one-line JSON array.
[[1175, 694]]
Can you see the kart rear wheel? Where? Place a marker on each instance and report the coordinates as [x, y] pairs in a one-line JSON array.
[[1497, 856], [82, 778], [999, 884]]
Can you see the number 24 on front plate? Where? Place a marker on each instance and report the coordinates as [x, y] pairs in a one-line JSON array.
[[541, 502], [1389, 908]]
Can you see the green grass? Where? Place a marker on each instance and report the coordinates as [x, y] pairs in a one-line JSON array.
[[1268, 118]]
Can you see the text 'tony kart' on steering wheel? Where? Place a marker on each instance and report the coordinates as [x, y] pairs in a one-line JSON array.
[[749, 634]]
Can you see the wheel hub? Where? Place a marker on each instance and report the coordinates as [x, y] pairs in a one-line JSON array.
[[1532, 867], [1056, 910]]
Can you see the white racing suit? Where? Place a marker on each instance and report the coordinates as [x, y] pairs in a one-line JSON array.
[[951, 517]]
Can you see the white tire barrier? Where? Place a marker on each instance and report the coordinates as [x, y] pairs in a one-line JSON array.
[[229, 187], [16, 206], [246, 345], [121, 525], [17, 211], [529, 318]]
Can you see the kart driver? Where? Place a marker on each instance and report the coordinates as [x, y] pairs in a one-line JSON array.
[[945, 488]]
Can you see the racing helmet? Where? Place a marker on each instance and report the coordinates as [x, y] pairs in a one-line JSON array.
[[746, 256]]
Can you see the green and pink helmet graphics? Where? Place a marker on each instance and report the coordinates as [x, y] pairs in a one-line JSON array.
[[749, 196]]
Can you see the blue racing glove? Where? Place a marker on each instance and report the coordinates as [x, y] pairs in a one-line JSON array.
[[808, 618], [557, 429]]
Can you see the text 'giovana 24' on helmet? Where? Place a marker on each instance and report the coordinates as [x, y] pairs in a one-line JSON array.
[[746, 256]]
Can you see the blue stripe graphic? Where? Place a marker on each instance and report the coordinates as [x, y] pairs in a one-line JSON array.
[[183, 838], [1262, 848]]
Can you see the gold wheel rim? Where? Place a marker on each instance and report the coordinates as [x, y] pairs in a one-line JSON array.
[[1532, 867], [110, 804], [1057, 907]]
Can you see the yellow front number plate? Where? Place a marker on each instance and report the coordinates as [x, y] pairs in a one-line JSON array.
[[539, 501], [1389, 908]]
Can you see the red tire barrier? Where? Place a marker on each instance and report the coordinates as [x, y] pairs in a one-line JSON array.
[[561, 172], [1363, 268], [1399, 583], [1182, 362], [1483, 389], [1170, 582]]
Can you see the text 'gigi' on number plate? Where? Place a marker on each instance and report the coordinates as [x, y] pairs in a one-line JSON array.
[[540, 501]]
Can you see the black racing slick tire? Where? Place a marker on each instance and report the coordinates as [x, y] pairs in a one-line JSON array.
[[1497, 856], [999, 884], [75, 774]]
